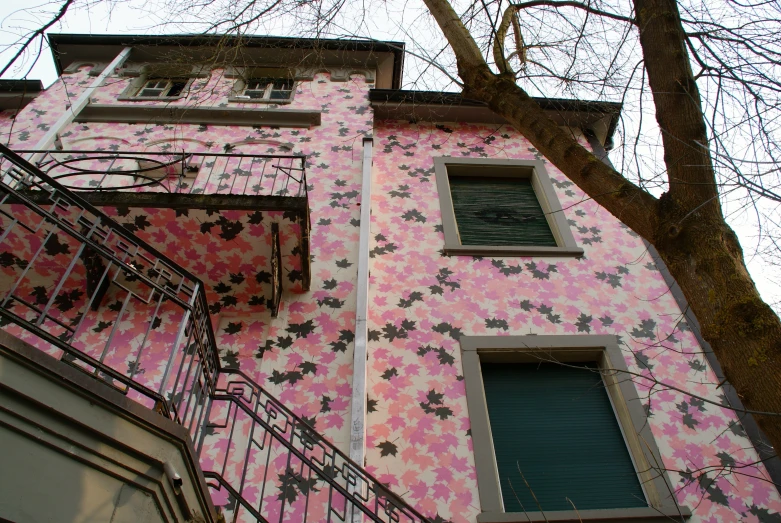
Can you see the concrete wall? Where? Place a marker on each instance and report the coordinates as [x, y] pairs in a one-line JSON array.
[[74, 450]]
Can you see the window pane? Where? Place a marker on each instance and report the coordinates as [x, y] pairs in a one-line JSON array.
[[156, 84], [283, 84], [151, 92], [557, 425], [280, 95], [256, 85], [271, 88], [177, 86], [499, 211]]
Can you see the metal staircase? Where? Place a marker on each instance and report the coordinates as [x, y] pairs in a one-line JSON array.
[[72, 279]]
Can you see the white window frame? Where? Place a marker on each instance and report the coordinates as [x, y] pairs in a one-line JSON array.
[[142, 74], [244, 92], [268, 89], [165, 90]]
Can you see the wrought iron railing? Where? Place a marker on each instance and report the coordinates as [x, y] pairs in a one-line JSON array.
[[80, 287], [175, 172]]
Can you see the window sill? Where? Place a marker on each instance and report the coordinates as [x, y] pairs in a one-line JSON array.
[[503, 250], [233, 99], [148, 98], [641, 514]]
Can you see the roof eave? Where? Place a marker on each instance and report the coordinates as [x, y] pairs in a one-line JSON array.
[[56, 41], [444, 106]]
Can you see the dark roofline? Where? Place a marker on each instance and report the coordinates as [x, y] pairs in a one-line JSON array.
[[21, 86], [401, 97], [16, 94], [200, 40]]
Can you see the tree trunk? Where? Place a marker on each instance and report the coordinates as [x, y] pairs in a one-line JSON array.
[[700, 249], [685, 225]]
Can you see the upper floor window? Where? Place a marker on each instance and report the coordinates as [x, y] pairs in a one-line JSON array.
[[501, 208], [160, 81], [269, 89], [261, 84], [163, 88]]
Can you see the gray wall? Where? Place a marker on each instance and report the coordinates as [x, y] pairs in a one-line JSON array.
[[74, 450]]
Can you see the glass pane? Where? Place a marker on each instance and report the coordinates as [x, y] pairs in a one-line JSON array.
[[156, 84], [151, 92], [283, 84], [255, 94], [280, 95], [256, 85], [177, 86]]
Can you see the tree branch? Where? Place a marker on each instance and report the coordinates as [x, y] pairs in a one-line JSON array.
[[38, 32]]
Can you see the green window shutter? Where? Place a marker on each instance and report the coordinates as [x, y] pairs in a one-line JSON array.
[[499, 211], [557, 425]]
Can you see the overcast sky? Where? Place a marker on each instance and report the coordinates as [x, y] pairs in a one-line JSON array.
[[17, 17]]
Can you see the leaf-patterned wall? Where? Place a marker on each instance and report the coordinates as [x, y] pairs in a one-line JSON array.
[[421, 302]]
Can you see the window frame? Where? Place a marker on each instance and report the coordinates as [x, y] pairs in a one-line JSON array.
[[243, 76], [140, 74], [543, 188], [626, 405], [268, 90], [170, 81]]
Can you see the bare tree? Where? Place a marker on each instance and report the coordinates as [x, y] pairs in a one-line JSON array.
[[685, 223]]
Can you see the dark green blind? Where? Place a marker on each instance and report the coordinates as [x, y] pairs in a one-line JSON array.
[[499, 211], [556, 423]]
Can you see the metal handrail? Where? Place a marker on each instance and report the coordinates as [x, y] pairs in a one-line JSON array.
[[176, 172], [274, 465]]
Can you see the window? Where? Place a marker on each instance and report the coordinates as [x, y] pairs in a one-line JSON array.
[[559, 409], [271, 89], [163, 88], [159, 81], [261, 85], [500, 207]]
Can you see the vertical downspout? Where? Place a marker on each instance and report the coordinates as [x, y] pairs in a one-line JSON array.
[[358, 404], [81, 102]]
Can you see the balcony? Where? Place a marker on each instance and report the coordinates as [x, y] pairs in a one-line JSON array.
[[204, 209], [86, 291], [267, 178]]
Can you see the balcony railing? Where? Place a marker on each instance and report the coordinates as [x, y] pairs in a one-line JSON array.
[[175, 172], [77, 285]]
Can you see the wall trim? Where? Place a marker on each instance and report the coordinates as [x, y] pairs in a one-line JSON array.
[[360, 355], [132, 113]]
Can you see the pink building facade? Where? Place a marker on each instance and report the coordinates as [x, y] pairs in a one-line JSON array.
[[308, 196]]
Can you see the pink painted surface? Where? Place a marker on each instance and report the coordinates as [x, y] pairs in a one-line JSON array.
[[421, 302]]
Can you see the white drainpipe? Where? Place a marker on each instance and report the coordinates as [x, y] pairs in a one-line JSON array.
[[67, 117], [358, 407]]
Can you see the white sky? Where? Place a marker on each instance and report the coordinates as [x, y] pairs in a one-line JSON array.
[[17, 16]]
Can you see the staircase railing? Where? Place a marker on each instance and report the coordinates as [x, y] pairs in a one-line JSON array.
[[77, 285]]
